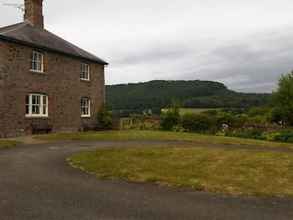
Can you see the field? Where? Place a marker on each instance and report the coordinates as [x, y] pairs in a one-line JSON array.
[[193, 110], [228, 171]]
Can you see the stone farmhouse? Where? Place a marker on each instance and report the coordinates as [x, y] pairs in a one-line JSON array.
[[46, 83]]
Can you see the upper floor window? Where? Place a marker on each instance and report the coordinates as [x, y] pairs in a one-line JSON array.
[[85, 107], [37, 62], [36, 105], [85, 72]]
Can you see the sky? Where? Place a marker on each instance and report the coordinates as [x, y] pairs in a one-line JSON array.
[[246, 44]]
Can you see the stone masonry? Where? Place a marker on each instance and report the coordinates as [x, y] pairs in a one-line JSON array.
[[60, 81]]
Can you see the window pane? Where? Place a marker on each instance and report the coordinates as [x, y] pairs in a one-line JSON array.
[[44, 110], [36, 109], [44, 100], [38, 98], [33, 99], [33, 65], [38, 67]]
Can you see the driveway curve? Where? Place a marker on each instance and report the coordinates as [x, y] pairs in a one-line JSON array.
[[37, 184]]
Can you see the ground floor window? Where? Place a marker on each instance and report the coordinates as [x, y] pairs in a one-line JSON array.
[[37, 105], [85, 107]]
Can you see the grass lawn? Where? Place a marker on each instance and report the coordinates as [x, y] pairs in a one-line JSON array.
[[237, 172], [157, 136], [7, 144]]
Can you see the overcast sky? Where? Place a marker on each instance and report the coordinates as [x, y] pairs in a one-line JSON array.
[[246, 44]]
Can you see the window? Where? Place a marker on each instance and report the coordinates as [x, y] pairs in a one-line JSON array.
[[85, 107], [37, 62], [36, 105], [85, 72]]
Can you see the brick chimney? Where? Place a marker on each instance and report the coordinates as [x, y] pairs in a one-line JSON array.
[[34, 12]]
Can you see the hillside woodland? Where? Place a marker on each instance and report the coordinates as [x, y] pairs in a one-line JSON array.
[[158, 94]]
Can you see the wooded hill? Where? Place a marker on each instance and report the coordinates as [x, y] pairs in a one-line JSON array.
[[190, 94]]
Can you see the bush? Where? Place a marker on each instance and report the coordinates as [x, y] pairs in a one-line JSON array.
[[197, 123], [258, 111], [247, 133], [170, 119], [284, 136], [279, 116], [224, 118], [257, 120], [211, 112], [104, 120]]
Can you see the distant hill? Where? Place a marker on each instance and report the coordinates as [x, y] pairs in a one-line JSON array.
[[191, 94]]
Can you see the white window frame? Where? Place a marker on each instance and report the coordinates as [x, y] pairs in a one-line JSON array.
[[43, 107], [37, 62], [85, 106], [85, 72]]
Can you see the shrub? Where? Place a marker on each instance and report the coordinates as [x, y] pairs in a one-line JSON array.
[[257, 120], [284, 136], [211, 112], [197, 123], [279, 115], [224, 118], [170, 119], [252, 133], [258, 111], [239, 120], [104, 120]]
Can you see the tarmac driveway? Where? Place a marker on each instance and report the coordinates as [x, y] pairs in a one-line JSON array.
[[37, 184]]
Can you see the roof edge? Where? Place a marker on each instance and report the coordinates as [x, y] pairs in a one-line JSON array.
[[12, 40]]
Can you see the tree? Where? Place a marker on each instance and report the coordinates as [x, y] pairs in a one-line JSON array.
[[283, 100]]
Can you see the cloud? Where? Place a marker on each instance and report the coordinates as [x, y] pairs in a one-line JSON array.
[[245, 44]]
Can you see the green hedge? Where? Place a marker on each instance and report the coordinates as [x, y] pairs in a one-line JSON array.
[[198, 123]]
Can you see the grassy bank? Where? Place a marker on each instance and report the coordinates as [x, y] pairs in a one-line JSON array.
[[7, 144], [157, 136], [237, 172]]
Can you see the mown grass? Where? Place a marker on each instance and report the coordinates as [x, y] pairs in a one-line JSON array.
[[237, 172], [7, 144], [131, 135]]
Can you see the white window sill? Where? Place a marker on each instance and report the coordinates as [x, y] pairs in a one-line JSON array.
[[36, 71], [37, 116], [86, 80], [85, 116]]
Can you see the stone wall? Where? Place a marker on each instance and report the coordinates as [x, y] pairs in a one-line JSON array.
[[2, 81], [61, 82]]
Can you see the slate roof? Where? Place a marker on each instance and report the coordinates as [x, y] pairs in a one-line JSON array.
[[24, 33]]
